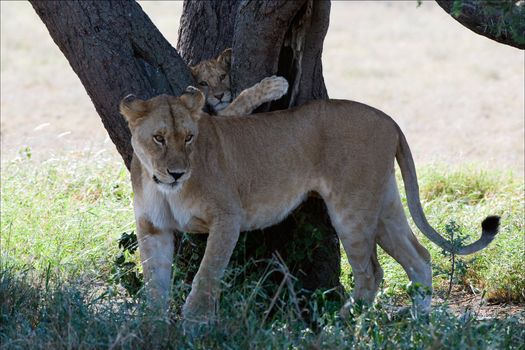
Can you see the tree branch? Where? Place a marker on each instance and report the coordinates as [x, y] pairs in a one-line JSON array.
[[502, 21]]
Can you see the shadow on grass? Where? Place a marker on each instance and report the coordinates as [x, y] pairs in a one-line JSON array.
[[43, 311]]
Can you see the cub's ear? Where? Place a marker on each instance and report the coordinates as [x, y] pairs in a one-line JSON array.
[[194, 72], [193, 99], [225, 58], [133, 108]]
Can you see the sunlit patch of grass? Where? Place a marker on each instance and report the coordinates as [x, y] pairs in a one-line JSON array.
[[467, 186], [64, 213], [497, 269]]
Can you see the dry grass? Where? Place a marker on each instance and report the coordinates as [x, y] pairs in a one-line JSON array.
[[458, 96]]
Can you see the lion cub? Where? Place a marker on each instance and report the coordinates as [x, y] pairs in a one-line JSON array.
[[213, 78], [196, 173]]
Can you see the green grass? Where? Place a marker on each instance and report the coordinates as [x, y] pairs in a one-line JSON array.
[[64, 214], [59, 228]]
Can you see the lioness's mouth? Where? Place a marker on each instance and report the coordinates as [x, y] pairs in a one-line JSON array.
[[157, 181]]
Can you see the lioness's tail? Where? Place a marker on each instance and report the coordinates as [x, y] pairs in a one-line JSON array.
[[489, 226]]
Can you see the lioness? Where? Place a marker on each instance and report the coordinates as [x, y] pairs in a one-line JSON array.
[[213, 78], [196, 173]]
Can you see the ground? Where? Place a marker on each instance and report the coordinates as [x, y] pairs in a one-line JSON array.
[[461, 301], [459, 97]]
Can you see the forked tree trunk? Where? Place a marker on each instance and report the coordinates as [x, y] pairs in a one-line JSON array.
[[283, 38], [115, 50]]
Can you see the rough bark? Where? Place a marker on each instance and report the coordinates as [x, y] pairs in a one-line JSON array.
[[115, 50], [285, 38], [259, 35], [312, 84], [502, 21], [206, 28], [291, 46]]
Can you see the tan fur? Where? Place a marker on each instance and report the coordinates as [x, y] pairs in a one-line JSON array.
[[250, 172], [213, 79]]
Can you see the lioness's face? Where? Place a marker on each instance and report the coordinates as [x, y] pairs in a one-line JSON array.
[[213, 78], [163, 131]]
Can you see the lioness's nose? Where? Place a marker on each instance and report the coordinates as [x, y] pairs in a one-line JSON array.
[[219, 96], [175, 175]]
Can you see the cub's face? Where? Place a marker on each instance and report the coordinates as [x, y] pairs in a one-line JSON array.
[[213, 78], [163, 131]]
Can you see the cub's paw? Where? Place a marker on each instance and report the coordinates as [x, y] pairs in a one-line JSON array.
[[273, 88]]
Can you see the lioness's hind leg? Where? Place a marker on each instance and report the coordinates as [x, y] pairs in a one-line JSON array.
[[356, 233], [403, 246], [378, 271], [397, 239]]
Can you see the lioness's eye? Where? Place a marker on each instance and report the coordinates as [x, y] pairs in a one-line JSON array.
[[159, 139], [203, 83], [222, 77], [188, 138]]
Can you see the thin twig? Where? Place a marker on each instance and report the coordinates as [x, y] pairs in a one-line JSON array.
[[453, 259], [274, 299], [288, 280]]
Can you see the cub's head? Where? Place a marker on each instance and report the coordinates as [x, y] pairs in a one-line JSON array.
[[213, 78], [163, 131]]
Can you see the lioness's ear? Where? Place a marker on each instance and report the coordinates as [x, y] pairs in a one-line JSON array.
[[193, 99], [225, 58], [133, 108]]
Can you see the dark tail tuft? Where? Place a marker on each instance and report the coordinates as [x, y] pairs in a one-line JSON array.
[[490, 225]]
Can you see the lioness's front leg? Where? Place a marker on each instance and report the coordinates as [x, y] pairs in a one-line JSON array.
[[269, 89], [156, 254], [201, 302]]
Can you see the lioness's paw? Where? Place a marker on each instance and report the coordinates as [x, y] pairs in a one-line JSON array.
[[273, 88], [194, 329], [199, 308]]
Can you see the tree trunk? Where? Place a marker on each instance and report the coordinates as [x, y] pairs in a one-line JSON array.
[[115, 50], [283, 38]]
